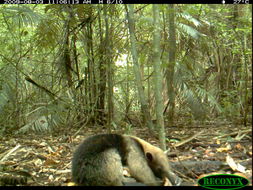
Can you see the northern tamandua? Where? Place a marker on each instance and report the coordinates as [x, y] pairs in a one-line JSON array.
[[100, 159]]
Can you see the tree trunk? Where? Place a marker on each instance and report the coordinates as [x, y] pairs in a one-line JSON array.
[[172, 57], [158, 77], [127, 90], [102, 74], [109, 69], [137, 71]]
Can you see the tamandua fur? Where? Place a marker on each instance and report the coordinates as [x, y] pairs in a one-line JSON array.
[[100, 159]]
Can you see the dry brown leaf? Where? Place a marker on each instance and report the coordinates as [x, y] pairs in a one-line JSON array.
[[235, 166], [239, 146], [50, 162], [166, 182], [71, 184]]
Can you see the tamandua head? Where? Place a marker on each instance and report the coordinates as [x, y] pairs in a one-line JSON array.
[[160, 166], [158, 161]]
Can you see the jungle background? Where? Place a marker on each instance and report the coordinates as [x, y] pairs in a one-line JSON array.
[[178, 76]]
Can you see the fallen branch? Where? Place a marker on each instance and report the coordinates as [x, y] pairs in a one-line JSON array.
[[234, 133], [188, 139], [10, 152]]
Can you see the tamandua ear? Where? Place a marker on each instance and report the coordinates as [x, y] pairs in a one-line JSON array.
[[149, 156]]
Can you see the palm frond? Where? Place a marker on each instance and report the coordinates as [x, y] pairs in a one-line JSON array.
[[210, 98], [190, 18], [22, 14], [39, 124], [190, 31]]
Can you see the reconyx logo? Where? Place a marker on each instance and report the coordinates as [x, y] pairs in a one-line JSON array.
[[223, 181]]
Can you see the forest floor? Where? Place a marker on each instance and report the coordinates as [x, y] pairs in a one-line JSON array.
[[45, 160]]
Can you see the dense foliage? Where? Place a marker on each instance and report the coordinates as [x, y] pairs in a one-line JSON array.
[[71, 65]]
